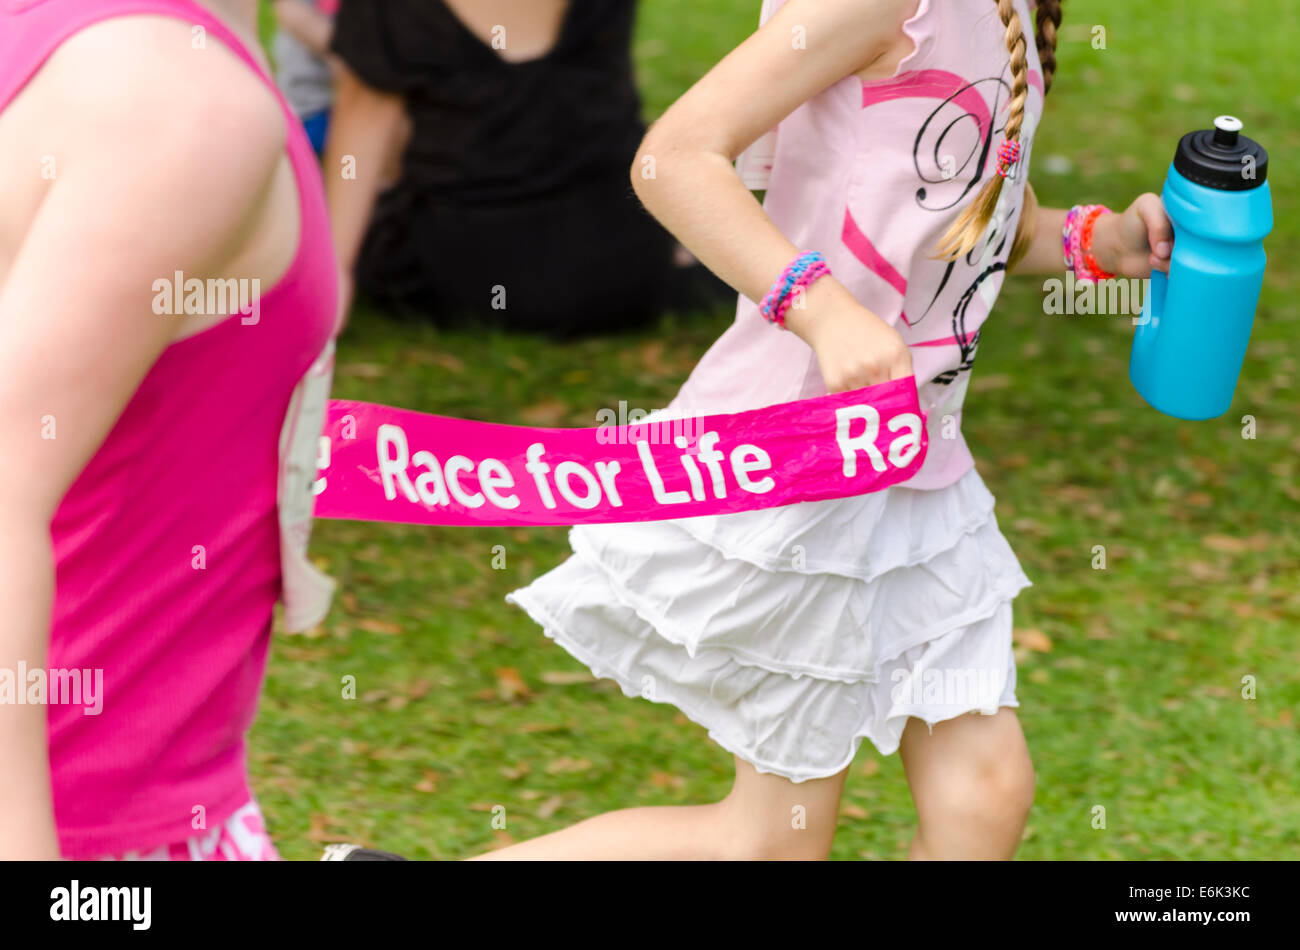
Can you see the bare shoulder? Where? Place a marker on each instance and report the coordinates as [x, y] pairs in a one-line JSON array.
[[852, 33], [162, 84], [870, 16], [155, 124]]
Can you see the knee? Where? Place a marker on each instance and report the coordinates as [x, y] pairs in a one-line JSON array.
[[993, 793], [776, 837], [1013, 785], [795, 846]]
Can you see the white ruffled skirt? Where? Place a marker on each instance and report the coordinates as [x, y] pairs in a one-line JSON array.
[[792, 634]]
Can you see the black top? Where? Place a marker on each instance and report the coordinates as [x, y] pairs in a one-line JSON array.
[[486, 131], [1214, 158]]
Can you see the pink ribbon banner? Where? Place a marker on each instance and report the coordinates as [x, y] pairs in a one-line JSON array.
[[385, 464]]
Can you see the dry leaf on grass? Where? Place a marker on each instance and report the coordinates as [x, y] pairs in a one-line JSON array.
[[563, 678], [667, 780], [1227, 544], [324, 829], [549, 807], [989, 382], [1033, 640], [566, 765], [502, 839], [510, 684], [534, 727]]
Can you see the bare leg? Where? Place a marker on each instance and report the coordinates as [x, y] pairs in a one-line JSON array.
[[973, 784], [764, 818]]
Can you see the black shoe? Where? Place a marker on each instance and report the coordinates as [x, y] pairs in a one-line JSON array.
[[352, 852]]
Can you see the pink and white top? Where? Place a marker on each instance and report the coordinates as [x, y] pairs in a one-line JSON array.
[[168, 545], [872, 174]]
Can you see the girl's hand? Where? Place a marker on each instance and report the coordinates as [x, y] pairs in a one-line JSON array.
[[854, 347], [1136, 242]]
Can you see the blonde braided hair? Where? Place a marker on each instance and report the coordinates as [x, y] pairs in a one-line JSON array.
[[970, 226]]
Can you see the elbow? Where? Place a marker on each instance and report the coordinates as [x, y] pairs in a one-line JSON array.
[[671, 153], [662, 142], [645, 166], [658, 151]]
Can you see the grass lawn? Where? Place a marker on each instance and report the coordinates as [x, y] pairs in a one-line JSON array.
[[1131, 677]]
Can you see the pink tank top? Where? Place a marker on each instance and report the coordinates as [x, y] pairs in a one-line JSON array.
[[872, 174], [168, 544]]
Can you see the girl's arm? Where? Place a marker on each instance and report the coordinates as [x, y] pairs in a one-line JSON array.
[[366, 136], [1130, 244], [308, 25], [77, 327], [683, 172]]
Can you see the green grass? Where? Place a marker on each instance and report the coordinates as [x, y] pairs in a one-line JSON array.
[[1137, 706]]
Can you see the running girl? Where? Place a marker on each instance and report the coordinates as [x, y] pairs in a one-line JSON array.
[[897, 200]]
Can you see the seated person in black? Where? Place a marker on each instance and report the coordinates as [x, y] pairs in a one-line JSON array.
[[511, 126]]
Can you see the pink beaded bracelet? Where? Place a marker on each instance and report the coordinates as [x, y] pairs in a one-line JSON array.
[[798, 275], [1076, 242]]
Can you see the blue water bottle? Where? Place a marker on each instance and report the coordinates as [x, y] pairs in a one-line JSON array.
[[1191, 343]]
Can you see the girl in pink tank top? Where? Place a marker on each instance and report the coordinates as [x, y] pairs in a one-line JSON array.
[[167, 300], [893, 140]]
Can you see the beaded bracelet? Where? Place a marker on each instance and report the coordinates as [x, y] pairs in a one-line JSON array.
[[798, 275], [1076, 242], [1090, 264], [1008, 156]]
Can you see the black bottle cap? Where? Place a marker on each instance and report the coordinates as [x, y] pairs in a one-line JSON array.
[[1216, 157]]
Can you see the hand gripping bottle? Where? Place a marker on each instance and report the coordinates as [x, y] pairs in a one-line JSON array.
[[1190, 345]]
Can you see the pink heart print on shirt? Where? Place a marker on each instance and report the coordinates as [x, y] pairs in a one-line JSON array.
[[949, 161]]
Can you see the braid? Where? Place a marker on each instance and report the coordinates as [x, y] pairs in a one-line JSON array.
[[970, 226], [1048, 17], [1019, 51]]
